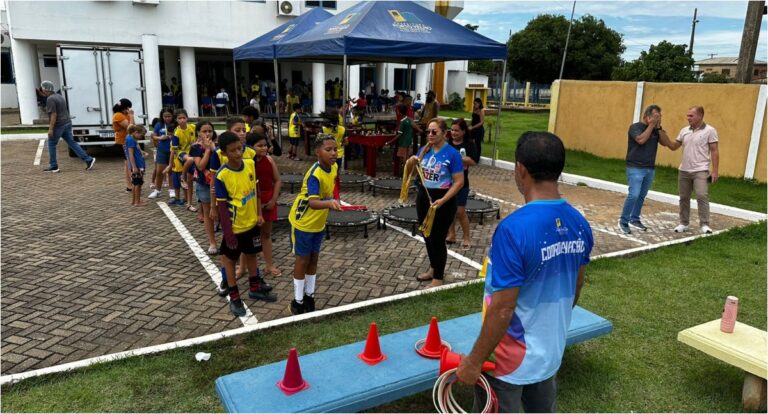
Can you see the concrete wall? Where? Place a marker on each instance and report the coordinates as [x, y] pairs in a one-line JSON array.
[[762, 161], [594, 117], [8, 96]]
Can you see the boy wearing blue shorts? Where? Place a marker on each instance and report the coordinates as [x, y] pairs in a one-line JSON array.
[[240, 218], [294, 132], [308, 216]]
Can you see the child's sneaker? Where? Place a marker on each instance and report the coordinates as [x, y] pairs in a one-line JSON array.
[[309, 303], [264, 285], [223, 289], [154, 194], [262, 294], [296, 308], [237, 308]]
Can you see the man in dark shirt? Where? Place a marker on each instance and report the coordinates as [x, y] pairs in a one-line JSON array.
[[60, 126], [642, 143]]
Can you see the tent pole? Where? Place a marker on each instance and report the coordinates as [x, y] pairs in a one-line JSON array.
[[344, 98], [237, 91], [277, 108], [408, 79], [498, 115]]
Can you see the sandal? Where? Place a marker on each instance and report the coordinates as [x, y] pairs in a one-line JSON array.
[[450, 242], [466, 245], [274, 272], [213, 250], [191, 208], [425, 277]]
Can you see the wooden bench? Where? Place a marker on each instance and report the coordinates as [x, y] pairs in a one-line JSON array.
[[340, 382], [745, 348]]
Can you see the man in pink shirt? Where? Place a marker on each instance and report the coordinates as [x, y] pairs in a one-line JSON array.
[[699, 142]]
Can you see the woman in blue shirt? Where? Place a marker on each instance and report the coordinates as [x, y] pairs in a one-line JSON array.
[[443, 178]]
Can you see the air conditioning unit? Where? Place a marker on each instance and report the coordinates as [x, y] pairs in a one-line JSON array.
[[287, 8]]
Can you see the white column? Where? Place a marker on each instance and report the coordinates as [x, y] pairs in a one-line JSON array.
[[25, 67], [189, 81], [152, 75], [422, 77], [354, 81], [380, 76], [318, 87], [171, 58]]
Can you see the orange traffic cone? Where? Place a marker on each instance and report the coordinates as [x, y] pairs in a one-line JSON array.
[[292, 381], [372, 354], [450, 360], [432, 346]]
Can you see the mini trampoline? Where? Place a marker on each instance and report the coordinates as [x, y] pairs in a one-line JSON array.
[[471, 195], [389, 184], [354, 179], [351, 220], [402, 214], [282, 212], [291, 179], [480, 207]]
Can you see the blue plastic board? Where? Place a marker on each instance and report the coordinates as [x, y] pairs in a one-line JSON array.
[[340, 382]]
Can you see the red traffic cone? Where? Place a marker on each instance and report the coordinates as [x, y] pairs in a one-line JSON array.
[[432, 346], [450, 360], [372, 354], [292, 381]]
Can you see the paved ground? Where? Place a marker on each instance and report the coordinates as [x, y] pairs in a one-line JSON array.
[[85, 274]]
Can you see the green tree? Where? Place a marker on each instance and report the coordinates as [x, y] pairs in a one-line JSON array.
[[535, 53], [664, 62], [713, 77]]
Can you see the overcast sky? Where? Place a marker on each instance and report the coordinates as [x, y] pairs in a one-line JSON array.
[[642, 23]]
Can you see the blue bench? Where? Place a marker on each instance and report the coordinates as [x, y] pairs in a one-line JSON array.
[[340, 382]]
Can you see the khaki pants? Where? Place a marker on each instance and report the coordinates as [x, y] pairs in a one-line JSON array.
[[696, 181]]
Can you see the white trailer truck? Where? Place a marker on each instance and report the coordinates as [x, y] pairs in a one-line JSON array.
[[93, 79]]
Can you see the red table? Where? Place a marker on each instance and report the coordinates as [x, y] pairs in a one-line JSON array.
[[371, 143]]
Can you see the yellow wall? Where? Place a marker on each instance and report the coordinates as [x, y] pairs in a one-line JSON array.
[[595, 116], [762, 162]]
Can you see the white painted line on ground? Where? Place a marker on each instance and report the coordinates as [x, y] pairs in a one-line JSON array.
[[498, 200], [23, 137], [12, 378], [39, 153], [621, 235], [202, 256]]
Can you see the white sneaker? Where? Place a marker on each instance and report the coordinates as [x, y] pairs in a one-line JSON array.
[[172, 193], [706, 229], [154, 194], [681, 228]]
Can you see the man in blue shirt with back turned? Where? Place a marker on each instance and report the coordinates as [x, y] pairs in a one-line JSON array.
[[533, 276]]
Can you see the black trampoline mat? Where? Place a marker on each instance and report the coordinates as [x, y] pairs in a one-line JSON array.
[[353, 179], [283, 211], [404, 213], [291, 178], [475, 204], [349, 218], [389, 183]]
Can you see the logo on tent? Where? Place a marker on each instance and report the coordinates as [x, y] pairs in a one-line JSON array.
[[342, 26], [408, 22], [284, 32]]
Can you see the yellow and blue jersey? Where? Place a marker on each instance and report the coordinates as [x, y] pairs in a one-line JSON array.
[[238, 189], [181, 142], [318, 184], [338, 135], [218, 159], [293, 125]]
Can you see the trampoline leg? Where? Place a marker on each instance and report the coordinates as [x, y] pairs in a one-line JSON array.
[[498, 214], [384, 224], [482, 217], [327, 233], [365, 231], [413, 230]]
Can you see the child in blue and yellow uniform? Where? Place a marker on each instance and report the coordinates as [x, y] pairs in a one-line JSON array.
[[294, 132], [239, 213], [135, 160], [308, 216], [184, 136]]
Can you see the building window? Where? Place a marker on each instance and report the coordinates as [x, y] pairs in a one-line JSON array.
[[49, 61], [401, 79], [757, 72], [324, 4], [726, 72], [6, 72]]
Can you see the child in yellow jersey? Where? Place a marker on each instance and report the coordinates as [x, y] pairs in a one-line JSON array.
[[239, 213], [332, 127], [183, 137], [294, 132], [308, 216]]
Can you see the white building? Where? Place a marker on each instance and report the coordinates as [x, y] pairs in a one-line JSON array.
[[189, 40]]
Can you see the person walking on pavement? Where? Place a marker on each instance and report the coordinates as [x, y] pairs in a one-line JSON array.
[[643, 139], [60, 126]]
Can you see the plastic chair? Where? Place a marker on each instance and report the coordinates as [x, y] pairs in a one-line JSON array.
[[206, 103], [219, 104], [169, 101]]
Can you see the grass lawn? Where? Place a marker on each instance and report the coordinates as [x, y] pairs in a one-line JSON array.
[[639, 367], [25, 130], [736, 192]]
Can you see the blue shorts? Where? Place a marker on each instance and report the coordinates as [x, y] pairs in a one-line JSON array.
[[176, 179], [305, 243], [203, 192], [162, 156], [461, 197], [293, 141]]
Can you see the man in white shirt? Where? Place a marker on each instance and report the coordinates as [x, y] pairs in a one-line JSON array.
[[699, 142], [224, 96]]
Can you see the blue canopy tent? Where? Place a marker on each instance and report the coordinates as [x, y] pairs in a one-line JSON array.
[[390, 31], [263, 47]]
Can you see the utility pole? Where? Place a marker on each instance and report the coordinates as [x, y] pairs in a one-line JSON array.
[[567, 38], [712, 55], [749, 37], [693, 31]]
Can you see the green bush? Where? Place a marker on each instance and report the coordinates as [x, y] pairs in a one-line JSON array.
[[456, 102]]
